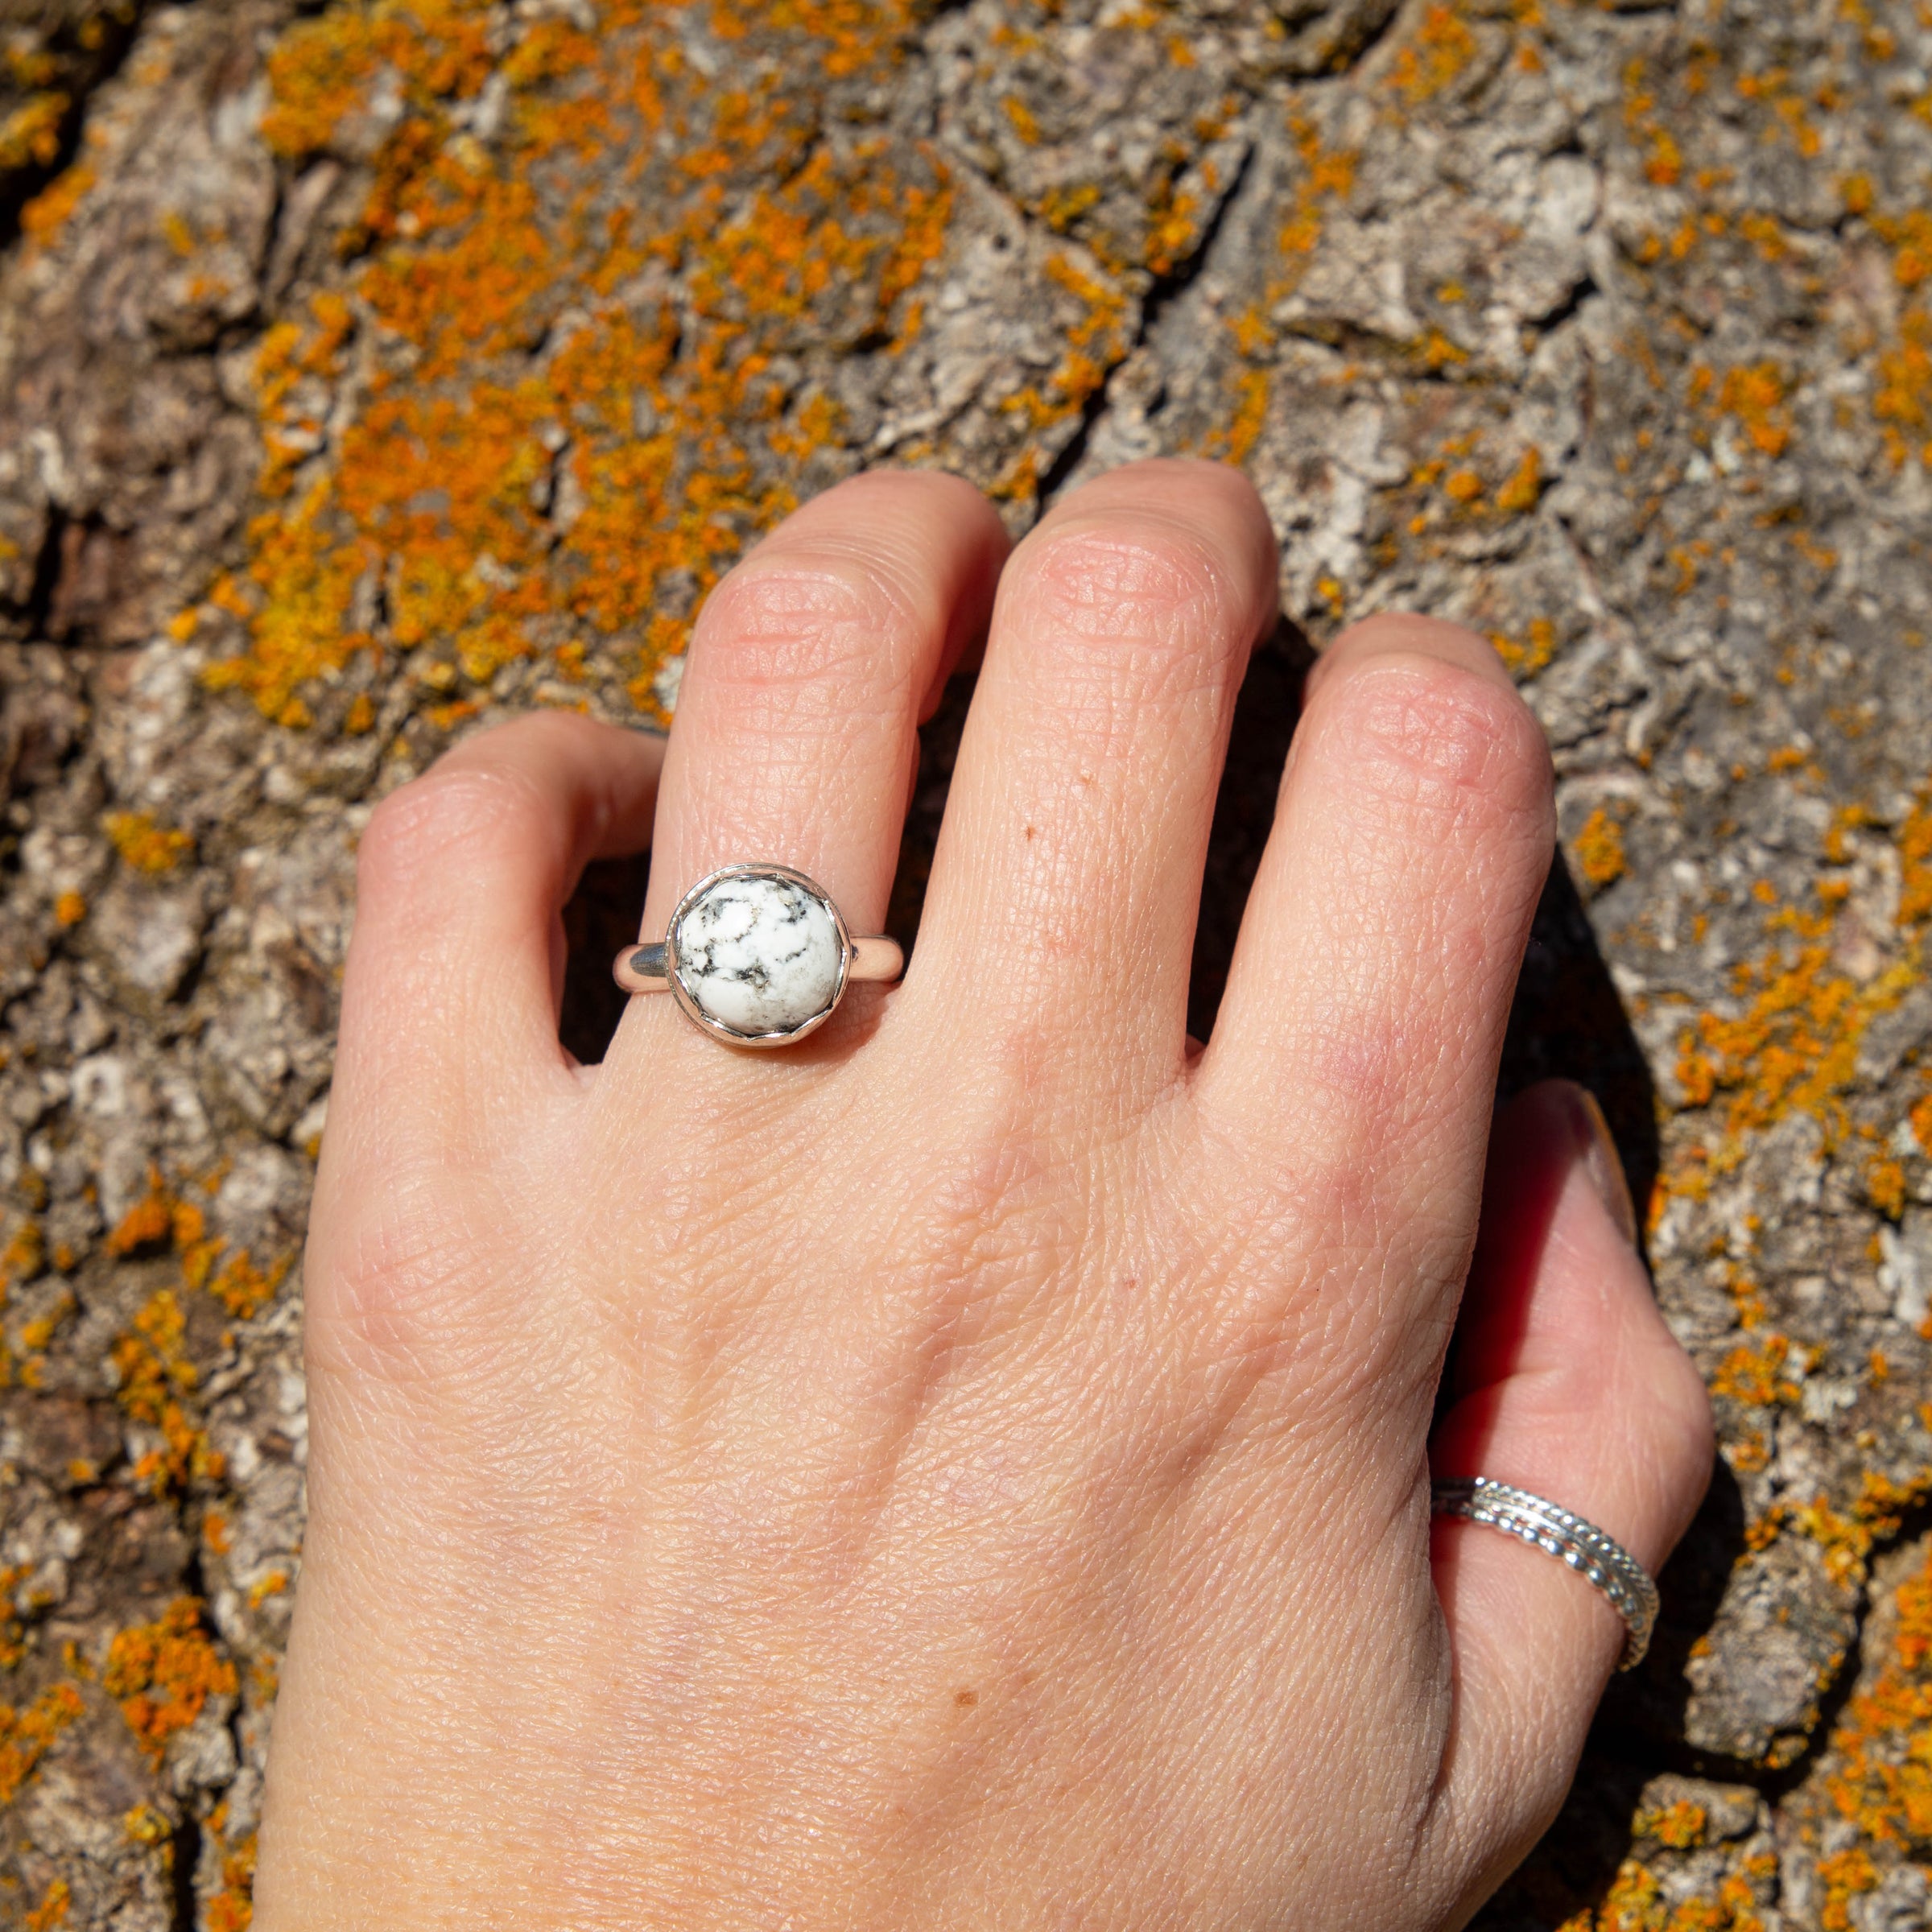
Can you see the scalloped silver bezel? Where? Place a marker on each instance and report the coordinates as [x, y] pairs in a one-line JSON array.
[[682, 994]]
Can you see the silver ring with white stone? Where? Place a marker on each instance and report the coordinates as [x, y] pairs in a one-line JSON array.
[[1561, 1533], [757, 956]]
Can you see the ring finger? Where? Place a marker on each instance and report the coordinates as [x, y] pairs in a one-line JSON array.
[[811, 666], [1566, 1383]]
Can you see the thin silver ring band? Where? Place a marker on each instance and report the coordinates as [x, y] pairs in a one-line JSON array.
[[643, 969], [1561, 1533]]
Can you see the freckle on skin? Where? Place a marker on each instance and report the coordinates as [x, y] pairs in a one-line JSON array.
[[965, 1699]]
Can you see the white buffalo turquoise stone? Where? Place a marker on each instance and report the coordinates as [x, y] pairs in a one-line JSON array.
[[759, 953]]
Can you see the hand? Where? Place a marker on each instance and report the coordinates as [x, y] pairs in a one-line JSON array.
[[970, 1468]]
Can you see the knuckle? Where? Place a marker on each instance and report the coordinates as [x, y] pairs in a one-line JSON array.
[[1386, 631], [805, 616], [1136, 590], [895, 496], [537, 733], [1690, 1426], [388, 1294], [1219, 497], [1425, 738], [436, 821]]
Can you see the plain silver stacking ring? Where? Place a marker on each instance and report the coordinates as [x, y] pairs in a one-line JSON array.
[[1563, 1533], [757, 956]]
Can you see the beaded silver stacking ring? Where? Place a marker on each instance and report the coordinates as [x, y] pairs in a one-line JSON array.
[[757, 956], [1563, 1533]]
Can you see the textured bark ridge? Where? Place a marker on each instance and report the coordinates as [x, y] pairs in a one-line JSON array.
[[373, 371]]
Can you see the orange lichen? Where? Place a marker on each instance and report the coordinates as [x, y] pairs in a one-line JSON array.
[[1881, 1776], [1327, 175], [1680, 1826], [1789, 1042], [1755, 395], [163, 1675], [275, 1583], [1663, 160], [244, 1289], [232, 1909], [150, 1221], [1526, 657], [26, 1736], [1885, 1187], [25, 1254], [1766, 235], [30, 136], [1518, 494], [320, 70], [1790, 111], [146, 1825], [43, 217], [1847, 1537], [154, 1377], [1921, 1121], [1844, 1875], [672, 438], [1173, 227], [1901, 400], [52, 1909], [1635, 1902], [1915, 864], [1435, 350], [161, 1217], [1441, 48], [13, 1634], [1600, 849], [1250, 416], [145, 845], [1755, 1376], [70, 909], [36, 1334]]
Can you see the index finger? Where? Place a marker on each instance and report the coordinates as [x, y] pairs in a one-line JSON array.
[[450, 994]]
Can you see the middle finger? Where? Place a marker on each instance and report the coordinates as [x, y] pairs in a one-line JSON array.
[[1066, 884]]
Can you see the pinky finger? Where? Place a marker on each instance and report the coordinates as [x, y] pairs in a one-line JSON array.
[[1566, 1383]]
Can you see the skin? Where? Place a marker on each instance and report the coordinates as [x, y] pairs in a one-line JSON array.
[[970, 1469]]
